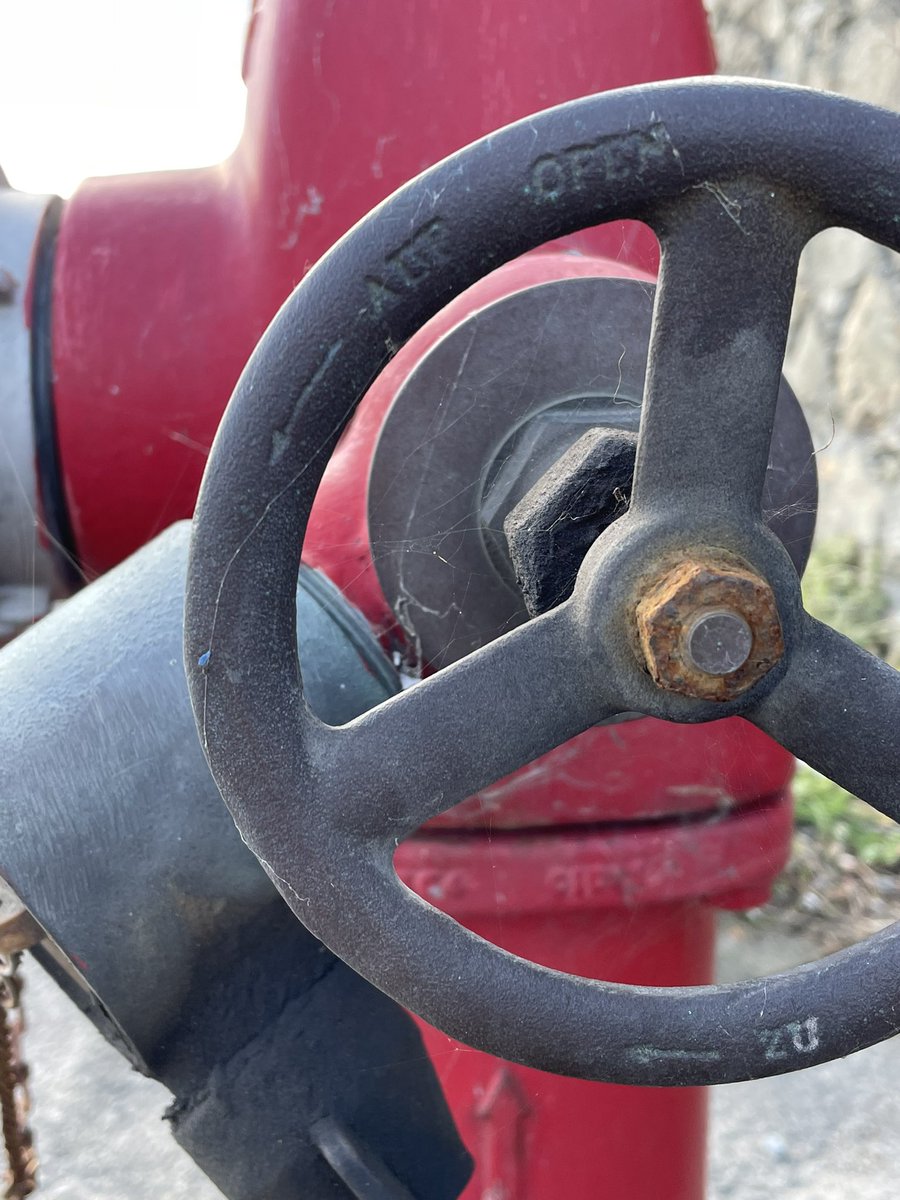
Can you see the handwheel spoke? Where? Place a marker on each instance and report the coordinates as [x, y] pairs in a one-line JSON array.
[[429, 748], [723, 304], [838, 709]]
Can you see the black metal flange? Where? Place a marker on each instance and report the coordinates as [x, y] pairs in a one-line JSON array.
[[734, 178]]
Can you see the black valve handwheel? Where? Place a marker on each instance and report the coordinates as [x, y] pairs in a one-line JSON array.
[[734, 178]]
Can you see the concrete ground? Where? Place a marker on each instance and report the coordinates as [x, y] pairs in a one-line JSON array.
[[830, 1133], [97, 1124]]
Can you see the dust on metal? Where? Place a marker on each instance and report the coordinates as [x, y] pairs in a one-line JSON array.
[[709, 627]]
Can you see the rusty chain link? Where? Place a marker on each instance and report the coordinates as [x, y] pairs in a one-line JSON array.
[[21, 1174]]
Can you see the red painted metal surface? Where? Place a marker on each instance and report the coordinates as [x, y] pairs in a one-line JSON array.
[[629, 904], [636, 769], [165, 282], [710, 856]]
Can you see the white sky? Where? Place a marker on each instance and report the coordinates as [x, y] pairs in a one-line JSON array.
[[98, 87]]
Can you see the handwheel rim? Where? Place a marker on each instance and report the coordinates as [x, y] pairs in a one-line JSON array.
[[355, 308]]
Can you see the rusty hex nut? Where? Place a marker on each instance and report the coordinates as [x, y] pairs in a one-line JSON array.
[[712, 598]]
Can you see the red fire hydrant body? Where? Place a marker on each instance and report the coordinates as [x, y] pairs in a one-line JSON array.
[[606, 858]]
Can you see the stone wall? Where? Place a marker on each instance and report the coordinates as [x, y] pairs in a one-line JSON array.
[[844, 353]]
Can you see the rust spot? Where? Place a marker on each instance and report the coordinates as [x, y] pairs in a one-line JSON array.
[[705, 582]]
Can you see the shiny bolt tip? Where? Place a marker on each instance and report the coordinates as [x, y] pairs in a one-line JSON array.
[[719, 642]]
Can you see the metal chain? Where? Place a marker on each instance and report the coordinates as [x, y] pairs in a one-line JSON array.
[[21, 1175]]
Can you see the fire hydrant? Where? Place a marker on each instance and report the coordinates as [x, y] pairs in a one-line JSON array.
[[607, 857]]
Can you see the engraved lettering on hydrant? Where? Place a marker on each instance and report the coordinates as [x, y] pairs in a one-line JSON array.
[[575, 883], [799, 1037], [612, 157], [502, 1111], [406, 266], [281, 438]]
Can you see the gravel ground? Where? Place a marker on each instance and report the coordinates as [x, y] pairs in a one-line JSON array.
[[830, 1133]]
